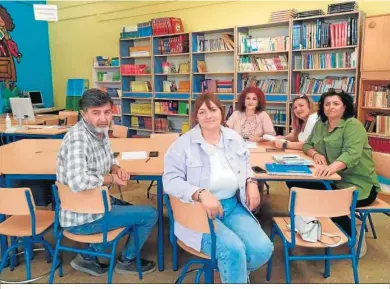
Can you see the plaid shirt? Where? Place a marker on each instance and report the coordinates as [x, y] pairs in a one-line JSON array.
[[82, 162]]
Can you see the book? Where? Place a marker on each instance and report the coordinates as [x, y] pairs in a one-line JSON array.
[[296, 170], [291, 159]]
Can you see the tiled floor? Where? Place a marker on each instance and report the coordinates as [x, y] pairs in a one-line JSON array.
[[374, 268]]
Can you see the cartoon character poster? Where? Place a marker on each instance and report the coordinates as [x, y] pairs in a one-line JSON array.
[[8, 48]]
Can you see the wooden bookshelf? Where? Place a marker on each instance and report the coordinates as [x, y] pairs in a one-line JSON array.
[[224, 64]]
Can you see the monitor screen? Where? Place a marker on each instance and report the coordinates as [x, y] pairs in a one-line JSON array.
[[36, 97], [22, 108]]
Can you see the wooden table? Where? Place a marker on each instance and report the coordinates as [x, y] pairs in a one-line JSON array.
[[39, 119], [33, 131]]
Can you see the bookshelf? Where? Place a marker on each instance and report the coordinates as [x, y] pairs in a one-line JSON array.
[[279, 66], [257, 46], [103, 78]]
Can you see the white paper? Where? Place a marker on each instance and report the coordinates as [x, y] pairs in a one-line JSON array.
[[251, 144], [46, 12], [269, 137], [134, 155]]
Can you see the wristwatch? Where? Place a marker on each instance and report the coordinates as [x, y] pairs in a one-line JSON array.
[[251, 180], [284, 146]]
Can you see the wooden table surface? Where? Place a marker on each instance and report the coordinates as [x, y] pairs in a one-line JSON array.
[[39, 119], [38, 156]]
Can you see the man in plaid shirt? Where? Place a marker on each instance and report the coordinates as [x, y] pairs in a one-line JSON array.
[[86, 161]]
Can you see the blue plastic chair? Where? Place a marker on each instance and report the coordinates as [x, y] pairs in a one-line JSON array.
[[382, 162], [323, 205], [184, 214], [26, 226], [93, 201]]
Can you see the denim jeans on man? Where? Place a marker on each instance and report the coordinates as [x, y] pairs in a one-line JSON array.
[[241, 244], [144, 217]]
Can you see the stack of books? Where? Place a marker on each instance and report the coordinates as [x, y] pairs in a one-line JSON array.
[[292, 170], [217, 86], [283, 15], [167, 25], [292, 159], [310, 13], [342, 7], [139, 51], [140, 86]]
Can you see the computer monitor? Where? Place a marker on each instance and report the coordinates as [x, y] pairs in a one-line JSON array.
[[36, 97], [22, 109]]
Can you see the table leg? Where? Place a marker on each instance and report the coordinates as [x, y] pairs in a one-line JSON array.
[[160, 239]]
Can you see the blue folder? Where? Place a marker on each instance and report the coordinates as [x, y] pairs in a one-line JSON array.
[[288, 170]]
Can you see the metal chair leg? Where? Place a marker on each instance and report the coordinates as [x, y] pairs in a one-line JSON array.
[[372, 226]]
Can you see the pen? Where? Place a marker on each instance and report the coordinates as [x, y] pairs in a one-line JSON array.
[[147, 160]]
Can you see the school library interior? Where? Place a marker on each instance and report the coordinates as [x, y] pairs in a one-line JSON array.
[[219, 142]]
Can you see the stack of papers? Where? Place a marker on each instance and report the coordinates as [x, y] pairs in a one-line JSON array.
[[292, 159], [251, 144], [134, 155], [291, 170]]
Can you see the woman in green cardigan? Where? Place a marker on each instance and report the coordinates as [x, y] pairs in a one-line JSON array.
[[339, 143]]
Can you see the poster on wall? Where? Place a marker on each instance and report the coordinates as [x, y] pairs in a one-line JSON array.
[[9, 52]]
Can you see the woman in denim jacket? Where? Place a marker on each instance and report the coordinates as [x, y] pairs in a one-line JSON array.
[[210, 164]]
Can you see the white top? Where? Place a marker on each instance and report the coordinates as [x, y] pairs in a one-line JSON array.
[[311, 121], [223, 181]]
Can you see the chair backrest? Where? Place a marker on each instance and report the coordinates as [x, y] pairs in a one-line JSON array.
[[88, 202], [382, 164], [72, 117], [119, 131], [192, 216], [321, 203], [52, 122], [14, 201], [164, 137]]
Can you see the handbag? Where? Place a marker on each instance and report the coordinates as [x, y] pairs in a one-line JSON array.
[[310, 230]]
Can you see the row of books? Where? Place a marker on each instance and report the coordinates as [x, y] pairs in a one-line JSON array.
[[142, 29], [265, 63], [112, 92], [344, 59], [223, 43], [140, 86], [129, 69], [266, 85], [379, 144], [217, 86], [141, 122], [378, 123], [310, 85], [108, 76], [141, 108], [324, 34], [167, 25], [105, 61], [171, 86], [377, 96], [174, 45], [250, 44], [170, 67], [278, 116], [161, 124], [171, 107]]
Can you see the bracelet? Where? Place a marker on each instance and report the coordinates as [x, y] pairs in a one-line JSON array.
[[112, 179], [251, 180], [314, 155], [199, 200]]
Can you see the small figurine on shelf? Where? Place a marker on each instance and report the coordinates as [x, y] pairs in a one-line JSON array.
[[166, 67], [173, 68]]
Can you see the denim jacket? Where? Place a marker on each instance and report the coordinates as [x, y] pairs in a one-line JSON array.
[[187, 169]]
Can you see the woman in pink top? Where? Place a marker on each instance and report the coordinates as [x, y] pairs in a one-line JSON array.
[[250, 119]]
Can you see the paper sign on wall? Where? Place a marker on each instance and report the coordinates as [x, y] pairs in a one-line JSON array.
[[46, 12]]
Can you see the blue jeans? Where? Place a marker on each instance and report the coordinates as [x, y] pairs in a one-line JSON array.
[[241, 244], [144, 217]]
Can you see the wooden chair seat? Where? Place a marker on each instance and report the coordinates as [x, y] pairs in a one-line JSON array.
[[20, 225], [377, 204], [94, 238], [191, 250], [327, 227]]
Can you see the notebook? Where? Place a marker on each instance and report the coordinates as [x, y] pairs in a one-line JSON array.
[[291, 159], [288, 170]]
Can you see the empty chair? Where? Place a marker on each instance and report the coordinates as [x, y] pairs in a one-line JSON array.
[[382, 162], [26, 226], [52, 122], [323, 205], [183, 213], [70, 117], [120, 131], [94, 201]]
